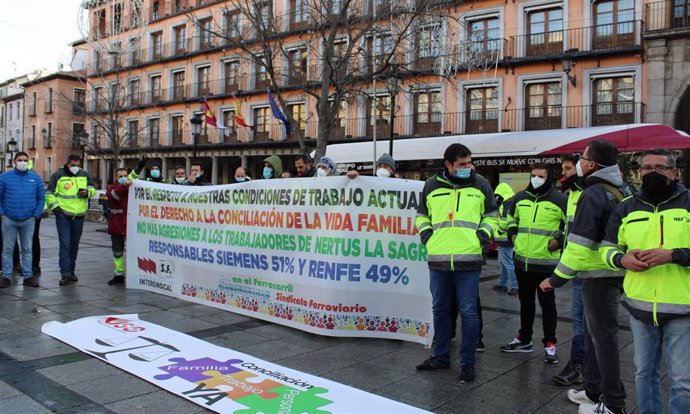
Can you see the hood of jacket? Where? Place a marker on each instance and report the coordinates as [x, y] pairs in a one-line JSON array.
[[610, 174], [504, 190], [276, 163]]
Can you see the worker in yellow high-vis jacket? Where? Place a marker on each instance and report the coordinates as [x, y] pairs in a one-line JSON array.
[[68, 195]]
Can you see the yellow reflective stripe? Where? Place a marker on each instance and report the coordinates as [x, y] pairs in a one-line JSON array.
[[583, 241], [531, 230], [456, 257], [537, 261], [67, 197], [565, 271], [454, 223]]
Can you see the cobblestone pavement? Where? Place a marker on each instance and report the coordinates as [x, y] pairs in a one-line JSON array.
[[38, 374]]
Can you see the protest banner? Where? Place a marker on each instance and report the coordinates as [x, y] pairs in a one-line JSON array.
[[332, 256]]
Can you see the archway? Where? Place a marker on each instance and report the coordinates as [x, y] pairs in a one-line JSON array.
[[682, 122]]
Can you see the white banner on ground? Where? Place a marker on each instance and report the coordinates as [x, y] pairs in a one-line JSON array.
[[332, 256], [216, 378]]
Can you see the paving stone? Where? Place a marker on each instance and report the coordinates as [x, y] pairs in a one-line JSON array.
[[81, 371], [7, 391], [155, 402], [22, 404], [113, 388]]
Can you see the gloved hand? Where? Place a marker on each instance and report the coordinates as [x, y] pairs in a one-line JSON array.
[[142, 163], [484, 239], [57, 210]]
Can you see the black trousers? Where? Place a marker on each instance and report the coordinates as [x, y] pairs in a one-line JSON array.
[[528, 285], [601, 372]]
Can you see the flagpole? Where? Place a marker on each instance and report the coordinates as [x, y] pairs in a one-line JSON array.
[[373, 166]]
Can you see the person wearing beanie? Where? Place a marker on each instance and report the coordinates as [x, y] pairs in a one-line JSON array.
[[155, 173], [385, 166], [325, 167], [273, 167]]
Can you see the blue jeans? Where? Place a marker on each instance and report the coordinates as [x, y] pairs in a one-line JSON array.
[[577, 352], [69, 230], [505, 259], [672, 339], [466, 286], [10, 228]]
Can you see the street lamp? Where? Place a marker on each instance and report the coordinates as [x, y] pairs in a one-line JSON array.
[[393, 87], [196, 131], [11, 148]]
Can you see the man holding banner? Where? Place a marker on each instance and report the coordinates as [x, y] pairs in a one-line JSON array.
[[455, 218]]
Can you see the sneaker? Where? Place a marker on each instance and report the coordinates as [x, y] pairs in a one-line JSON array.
[[516, 345], [66, 281], [571, 374], [31, 281], [550, 353], [499, 288], [5, 283], [599, 408], [513, 292], [580, 397], [433, 363], [117, 280], [480, 346], [466, 374], [72, 277]]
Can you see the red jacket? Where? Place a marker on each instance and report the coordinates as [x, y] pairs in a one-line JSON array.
[[117, 199]]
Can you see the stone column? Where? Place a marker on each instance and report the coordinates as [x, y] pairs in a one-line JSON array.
[[164, 168], [214, 170], [657, 53], [188, 164]]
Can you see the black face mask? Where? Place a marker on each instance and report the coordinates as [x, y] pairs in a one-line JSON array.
[[568, 182], [655, 185]]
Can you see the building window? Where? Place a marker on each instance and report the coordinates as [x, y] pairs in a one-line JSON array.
[[180, 35], [427, 113], [178, 86], [32, 109], [614, 101], [544, 104], [32, 138], [134, 92], [98, 98], [177, 126], [133, 133], [48, 168], [483, 39], [203, 75], [681, 13], [206, 33], [9, 112], [117, 18], [298, 112], [154, 131], [231, 71], [115, 96], [230, 126], [428, 45], [156, 89], [297, 66], [49, 101], [378, 114], [77, 130], [299, 13], [545, 32], [232, 25], [155, 10], [48, 141], [79, 102], [337, 130], [262, 122], [262, 78], [482, 110], [265, 15], [136, 51], [615, 24], [100, 29], [378, 49], [157, 45], [97, 136]]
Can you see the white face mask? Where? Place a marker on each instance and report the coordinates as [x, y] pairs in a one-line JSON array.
[[179, 180], [74, 169], [383, 173], [320, 172], [22, 165], [537, 182], [578, 170]]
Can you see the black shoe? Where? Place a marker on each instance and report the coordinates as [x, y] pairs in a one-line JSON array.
[[66, 281], [499, 288], [571, 374], [72, 277], [480, 346], [36, 271], [433, 363], [117, 280], [466, 374], [513, 292], [31, 281], [5, 282]]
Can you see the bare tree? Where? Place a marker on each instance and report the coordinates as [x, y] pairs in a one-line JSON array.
[[352, 41]]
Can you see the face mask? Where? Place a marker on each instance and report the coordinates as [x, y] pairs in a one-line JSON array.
[[197, 175], [240, 179], [22, 165], [654, 185], [568, 182], [155, 173], [463, 172], [179, 180], [383, 173], [320, 172], [268, 172], [122, 180], [578, 170], [537, 182], [74, 170]]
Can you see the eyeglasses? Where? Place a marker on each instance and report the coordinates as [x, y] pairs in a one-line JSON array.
[[658, 168]]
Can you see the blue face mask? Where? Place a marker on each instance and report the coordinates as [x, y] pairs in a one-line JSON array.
[[155, 173], [122, 180], [463, 172], [239, 179], [268, 172]]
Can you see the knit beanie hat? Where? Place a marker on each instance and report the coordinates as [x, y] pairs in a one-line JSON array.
[[387, 160], [328, 163]]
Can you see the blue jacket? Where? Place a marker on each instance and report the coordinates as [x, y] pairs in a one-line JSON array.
[[22, 195]]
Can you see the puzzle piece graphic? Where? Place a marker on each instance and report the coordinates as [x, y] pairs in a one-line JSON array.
[[240, 385], [290, 400], [193, 370]]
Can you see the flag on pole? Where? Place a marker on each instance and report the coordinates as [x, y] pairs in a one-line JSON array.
[[238, 117], [209, 116], [278, 114]]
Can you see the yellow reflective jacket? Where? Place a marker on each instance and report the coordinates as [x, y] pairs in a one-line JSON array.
[[63, 188], [454, 219], [661, 292], [536, 219], [501, 233]]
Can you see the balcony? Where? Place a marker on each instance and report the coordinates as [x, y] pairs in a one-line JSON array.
[[178, 93], [669, 15], [78, 108], [177, 137]]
